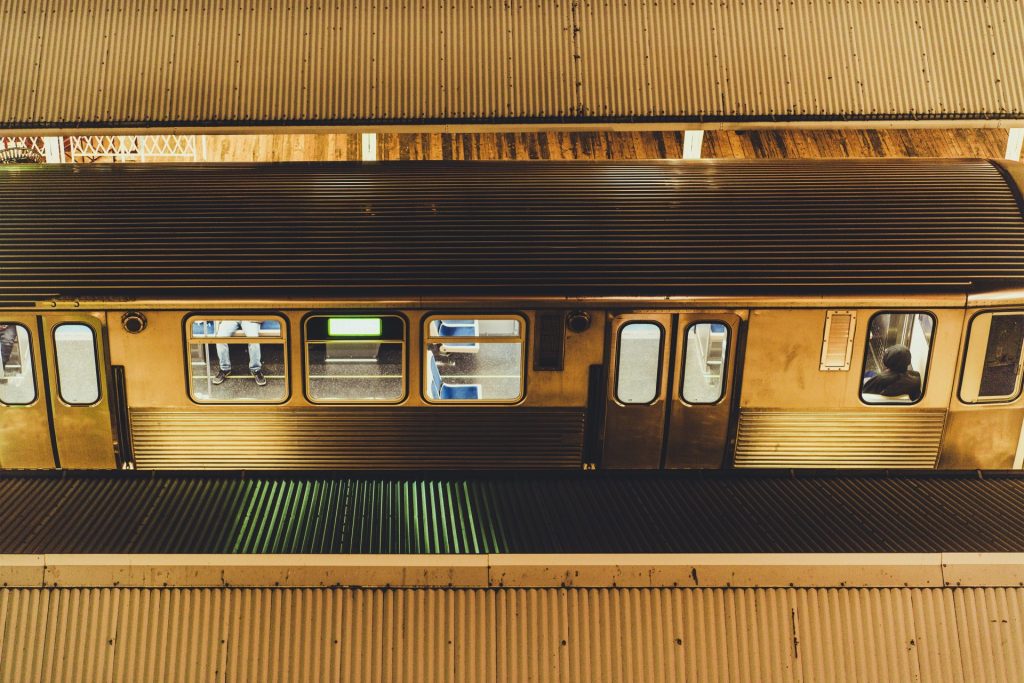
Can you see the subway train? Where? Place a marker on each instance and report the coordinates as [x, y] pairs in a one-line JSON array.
[[647, 315]]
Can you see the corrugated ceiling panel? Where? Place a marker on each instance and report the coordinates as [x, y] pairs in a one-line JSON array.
[[549, 512], [193, 62], [510, 635]]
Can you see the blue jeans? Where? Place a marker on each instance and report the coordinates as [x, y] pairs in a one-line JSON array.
[[226, 328]]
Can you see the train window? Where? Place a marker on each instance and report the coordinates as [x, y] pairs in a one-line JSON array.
[[639, 362], [78, 379], [17, 380], [992, 364], [355, 358], [707, 348], [247, 363], [474, 359], [896, 357]]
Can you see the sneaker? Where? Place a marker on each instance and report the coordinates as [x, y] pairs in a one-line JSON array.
[[221, 376], [258, 376]]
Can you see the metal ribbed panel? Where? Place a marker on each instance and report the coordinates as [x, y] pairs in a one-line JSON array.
[[991, 621], [777, 438], [423, 438], [550, 228], [599, 635], [190, 62], [551, 512]]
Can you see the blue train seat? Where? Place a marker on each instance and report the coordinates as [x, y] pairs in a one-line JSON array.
[[207, 328], [458, 328], [449, 392]]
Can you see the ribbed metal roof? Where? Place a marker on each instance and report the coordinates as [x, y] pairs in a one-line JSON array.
[[701, 512], [541, 228], [552, 635], [194, 63], [512, 635]]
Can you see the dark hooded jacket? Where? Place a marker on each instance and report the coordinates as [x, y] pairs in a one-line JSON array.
[[897, 379]]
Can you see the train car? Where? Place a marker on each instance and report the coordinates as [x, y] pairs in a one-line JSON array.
[[711, 314]]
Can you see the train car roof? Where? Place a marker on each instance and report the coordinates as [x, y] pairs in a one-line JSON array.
[[505, 512], [414, 229]]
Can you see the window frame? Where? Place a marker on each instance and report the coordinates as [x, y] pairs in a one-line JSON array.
[[304, 322], [35, 385], [96, 363], [999, 400], [864, 355], [522, 339], [283, 340], [661, 360], [725, 362]]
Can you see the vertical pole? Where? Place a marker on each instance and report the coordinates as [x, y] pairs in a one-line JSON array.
[[693, 140], [1014, 144], [53, 150], [369, 147]]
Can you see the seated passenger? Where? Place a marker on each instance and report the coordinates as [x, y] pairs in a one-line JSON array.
[[897, 379], [250, 328], [8, 338]]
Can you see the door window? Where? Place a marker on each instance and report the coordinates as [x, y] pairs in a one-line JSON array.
[[17, 381], [78, 379], [639, 362], [707, 349]]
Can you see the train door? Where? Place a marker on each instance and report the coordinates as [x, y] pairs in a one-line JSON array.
[[638, 386], [24, 411], [700, 409], [670, 389], [76, 366]]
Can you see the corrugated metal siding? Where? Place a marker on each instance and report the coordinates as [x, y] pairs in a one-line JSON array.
[[511, 635], [781, 438], [548, 228], [375, 438], [551, 512], [190, 62]]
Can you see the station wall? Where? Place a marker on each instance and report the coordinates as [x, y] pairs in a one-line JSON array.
[[754, 144]]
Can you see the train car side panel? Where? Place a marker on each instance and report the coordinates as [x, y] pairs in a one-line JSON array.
[[795, 414]]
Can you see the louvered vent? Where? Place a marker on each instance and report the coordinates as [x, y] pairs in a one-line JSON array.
[[837, 346], [846, 439]]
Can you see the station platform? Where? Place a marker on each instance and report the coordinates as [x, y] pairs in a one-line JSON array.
[[511, 512]]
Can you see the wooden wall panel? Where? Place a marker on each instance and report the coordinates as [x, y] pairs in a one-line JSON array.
[[758, 144], [317, 147]]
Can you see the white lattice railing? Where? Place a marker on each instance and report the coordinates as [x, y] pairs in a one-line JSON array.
[[92, 148], [87, 149]]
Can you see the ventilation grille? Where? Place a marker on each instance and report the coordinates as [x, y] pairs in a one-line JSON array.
[[898, 438], [837, 347], [399, 438]]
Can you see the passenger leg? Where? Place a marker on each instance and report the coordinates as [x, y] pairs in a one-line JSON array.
[[252, 329], [225, 329]]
